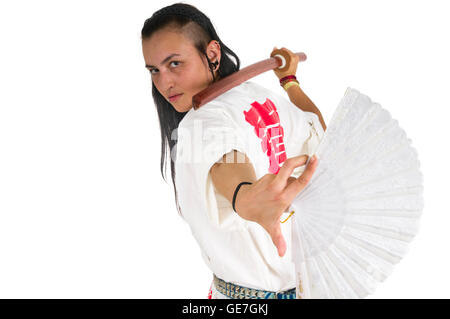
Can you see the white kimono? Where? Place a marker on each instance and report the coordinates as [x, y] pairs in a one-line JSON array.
[[237, 250]]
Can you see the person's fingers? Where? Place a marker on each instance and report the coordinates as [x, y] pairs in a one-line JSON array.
[[285, 49], [288, 51], [288, 167], [290, 180], [300, 183], [278, 240]]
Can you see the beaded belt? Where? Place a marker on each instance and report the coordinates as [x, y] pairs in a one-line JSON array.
[[239, 292]]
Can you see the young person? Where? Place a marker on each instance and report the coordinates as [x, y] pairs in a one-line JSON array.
[[216, 158]]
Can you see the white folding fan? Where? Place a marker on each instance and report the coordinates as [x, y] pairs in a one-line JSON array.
[[356, 217]]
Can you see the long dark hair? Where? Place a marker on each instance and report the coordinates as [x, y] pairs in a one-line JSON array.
[[201, 32]]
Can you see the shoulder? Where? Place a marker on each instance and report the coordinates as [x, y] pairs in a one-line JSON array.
[[231, 104], [227, 110], [222, 109], [205, 117]]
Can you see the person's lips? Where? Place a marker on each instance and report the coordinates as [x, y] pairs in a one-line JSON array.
[[175, 97]]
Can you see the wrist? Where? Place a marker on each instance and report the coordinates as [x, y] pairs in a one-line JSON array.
[[287, 86], [240, 199], [286, 77], [289, 81]]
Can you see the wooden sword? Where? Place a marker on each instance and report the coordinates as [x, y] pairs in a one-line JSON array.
[[278, 59]]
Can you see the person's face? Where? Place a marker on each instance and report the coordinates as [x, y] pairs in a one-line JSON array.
[[186, 73]]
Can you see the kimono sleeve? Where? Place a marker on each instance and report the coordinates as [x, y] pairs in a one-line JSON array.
[[202, 141], [316, 131], [311, 143]]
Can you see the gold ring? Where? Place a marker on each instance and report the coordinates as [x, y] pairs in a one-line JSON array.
[[292, 213]]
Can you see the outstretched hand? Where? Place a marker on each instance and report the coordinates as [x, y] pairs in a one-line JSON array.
[[265, 200]]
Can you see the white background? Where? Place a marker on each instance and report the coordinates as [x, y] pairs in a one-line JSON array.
[[84, 211]]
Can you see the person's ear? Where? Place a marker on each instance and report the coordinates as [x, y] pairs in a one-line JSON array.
[[213, 51]]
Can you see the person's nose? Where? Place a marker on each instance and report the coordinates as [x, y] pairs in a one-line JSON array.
[[167, 81]]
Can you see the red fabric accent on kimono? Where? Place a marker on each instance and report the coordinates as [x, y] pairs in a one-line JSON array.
[[210, 293], [266, 121]]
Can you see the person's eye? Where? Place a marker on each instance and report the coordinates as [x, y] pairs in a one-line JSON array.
[[153, 69]]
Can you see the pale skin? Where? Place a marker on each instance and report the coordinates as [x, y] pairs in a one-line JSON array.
[[188, 73]]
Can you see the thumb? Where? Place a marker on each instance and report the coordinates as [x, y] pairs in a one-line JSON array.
[[278, 240]]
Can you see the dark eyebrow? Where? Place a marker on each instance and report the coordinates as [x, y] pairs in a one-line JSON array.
[[164, 61]]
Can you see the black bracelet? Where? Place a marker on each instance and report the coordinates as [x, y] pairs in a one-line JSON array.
[[235, 192]]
